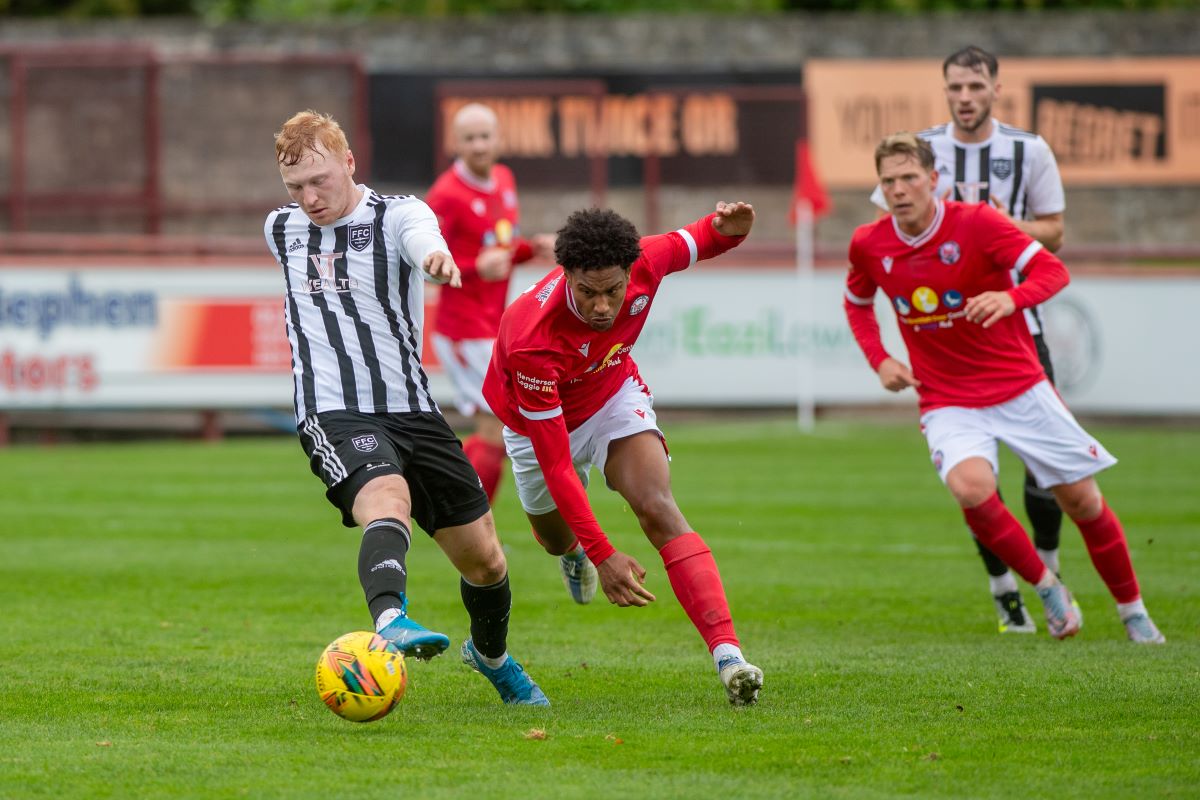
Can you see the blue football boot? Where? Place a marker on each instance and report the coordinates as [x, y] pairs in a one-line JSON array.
[[412, 638], [515, 686]]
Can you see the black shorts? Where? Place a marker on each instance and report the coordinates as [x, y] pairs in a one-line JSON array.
[[1043, 354], [346, 449]]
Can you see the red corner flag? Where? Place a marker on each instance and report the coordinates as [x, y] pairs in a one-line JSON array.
[[807, 185]]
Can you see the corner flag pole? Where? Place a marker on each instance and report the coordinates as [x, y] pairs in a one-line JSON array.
[[806, 399]]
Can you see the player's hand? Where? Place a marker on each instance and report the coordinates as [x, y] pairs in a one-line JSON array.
[[494, 263], [441, 267], [543, 245], [622, 578], [989, 308], [896, 376], [734, 219], [998, 204]]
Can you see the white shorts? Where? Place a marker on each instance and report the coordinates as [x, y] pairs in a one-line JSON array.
[[1035, 425], [466, 362], [626, 413]]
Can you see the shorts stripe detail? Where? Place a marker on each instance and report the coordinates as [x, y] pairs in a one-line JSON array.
[[1026, 254], [330, 462], [691, 243], [551, 414], [859, 301]]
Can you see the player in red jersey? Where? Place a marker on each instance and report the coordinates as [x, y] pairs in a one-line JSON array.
[[945, 266], [476, 205], [568, 391]]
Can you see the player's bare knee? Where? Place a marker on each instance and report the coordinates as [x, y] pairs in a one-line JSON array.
[[1080, 501], [658, 515]]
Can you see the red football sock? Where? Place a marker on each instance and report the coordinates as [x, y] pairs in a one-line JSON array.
[[995, 526], [488, 460], [1106, 545], [697, 584]]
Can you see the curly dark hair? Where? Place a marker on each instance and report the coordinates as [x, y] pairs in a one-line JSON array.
[[595, 238]]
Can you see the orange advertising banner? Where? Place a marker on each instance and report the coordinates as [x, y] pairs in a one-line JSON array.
[[1108, 121]]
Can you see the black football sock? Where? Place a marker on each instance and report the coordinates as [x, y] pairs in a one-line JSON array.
[[1044, 515], [488, 607], [995, 567], [381, 569]]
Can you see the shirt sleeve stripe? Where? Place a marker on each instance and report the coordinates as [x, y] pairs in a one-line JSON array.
[[691, 243], [551, 414], [859, 301], [1026, 254]]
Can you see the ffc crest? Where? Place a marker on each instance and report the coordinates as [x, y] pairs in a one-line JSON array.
[[949, 252], [365, 444], [360, 236], [1002, 167], [639, 305]]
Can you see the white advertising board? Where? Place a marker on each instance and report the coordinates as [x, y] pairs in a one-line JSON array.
[[75, 336]]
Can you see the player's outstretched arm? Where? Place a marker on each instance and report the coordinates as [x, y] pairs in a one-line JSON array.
[[734, 219], [441, 267]]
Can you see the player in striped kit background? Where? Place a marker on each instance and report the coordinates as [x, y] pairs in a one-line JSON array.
[[981, 160]]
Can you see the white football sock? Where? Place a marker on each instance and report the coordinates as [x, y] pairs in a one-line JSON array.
[[1127, 610], [724, 651], [385, 618], [1002, 584], [1049, 558], [494, 663]]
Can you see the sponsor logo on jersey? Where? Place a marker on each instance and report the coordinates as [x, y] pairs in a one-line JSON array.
[[972, 191], [952, 298], [376, 466], [887, 264], [548, 290], [949, 252], [1002, 167], [504, 232], [326, 266], [296, 245], [902, 305], [360, 236], [531, 384], [925, 299], [365, 444], [639, 305]]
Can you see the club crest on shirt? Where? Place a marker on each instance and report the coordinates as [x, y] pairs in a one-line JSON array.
[[949, 252], [1002, 167], [478, 206], [639, 305], [360, 236], [365, 444], [887, 264]]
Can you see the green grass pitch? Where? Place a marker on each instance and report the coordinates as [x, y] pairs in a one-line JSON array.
[[164, 604]]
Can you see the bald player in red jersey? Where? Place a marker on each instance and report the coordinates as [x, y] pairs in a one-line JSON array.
[[946, 268], [563, 381], [476, 205]]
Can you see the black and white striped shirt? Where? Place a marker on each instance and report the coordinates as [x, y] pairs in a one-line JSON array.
[[1012, 165], [355, 303]]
